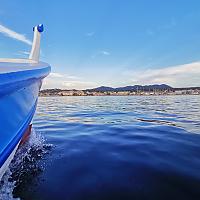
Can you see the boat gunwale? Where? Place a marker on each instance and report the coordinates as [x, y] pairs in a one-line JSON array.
[[12, 81]]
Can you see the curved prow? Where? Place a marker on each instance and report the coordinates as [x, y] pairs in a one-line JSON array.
[[35, 51]]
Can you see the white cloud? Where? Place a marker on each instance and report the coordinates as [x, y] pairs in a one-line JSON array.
[[177, 76], [64, 81], [59, 75], [22, 53], [106, 53], [100, 53], [55, 75], [90, 34], [73, 77], [12, 34], [77, 84]]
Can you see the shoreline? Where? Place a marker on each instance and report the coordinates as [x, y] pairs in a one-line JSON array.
[[118, 95], [155, 90]]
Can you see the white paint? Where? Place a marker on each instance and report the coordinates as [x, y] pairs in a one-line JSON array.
[[35, 51], [7, 162], [19, 65], [12, 60]]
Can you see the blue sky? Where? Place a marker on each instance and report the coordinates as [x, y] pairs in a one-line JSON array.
[[107, 42]]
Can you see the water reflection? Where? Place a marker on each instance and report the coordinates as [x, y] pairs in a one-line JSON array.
[[181, 111], [117, 148]]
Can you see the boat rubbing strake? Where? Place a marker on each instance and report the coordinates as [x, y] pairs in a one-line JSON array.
[[20, 82]]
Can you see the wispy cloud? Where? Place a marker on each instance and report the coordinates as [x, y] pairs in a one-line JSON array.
[[164, 27], [55, 75], [99, 53], [14, 35], [90, 34], [64, 81], [77, 84], [22, 53], [59, 75], [106, 53], [177, 76]]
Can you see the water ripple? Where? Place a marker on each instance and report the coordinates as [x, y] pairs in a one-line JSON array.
[[119, 148]]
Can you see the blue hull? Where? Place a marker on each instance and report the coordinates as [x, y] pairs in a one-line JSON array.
[[18, 99]]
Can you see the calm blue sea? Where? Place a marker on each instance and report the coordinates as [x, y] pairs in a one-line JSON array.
[[122, 147]]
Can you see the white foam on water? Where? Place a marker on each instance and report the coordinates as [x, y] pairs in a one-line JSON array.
[[24, 161], [6, 187]]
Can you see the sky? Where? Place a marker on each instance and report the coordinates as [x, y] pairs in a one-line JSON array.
[[113, 43]]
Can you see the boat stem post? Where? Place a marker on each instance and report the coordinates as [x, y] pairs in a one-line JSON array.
[[35, 51]]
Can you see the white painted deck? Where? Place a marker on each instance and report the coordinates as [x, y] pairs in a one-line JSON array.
[[16, 65]]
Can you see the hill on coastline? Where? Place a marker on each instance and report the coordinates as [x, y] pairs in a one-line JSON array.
[[131, 88], [162, 89]]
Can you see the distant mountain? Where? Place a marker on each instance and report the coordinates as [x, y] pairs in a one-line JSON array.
[[187, 88], [101, 89], [131, 88]]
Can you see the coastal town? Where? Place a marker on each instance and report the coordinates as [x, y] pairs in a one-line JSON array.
[[96, 92]]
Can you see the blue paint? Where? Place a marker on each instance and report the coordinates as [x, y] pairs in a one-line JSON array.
[[14, 80], [11, 146], [18, 98], [40, 28]]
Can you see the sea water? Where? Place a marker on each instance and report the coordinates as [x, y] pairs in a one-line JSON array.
[[110, 147]]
